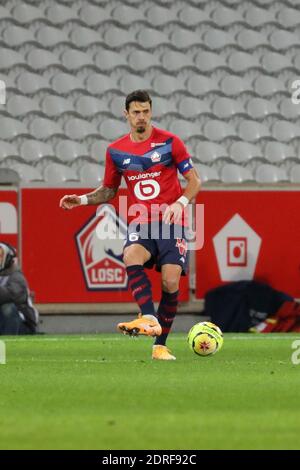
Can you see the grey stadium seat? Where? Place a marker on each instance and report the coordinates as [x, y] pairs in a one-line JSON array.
[[274, 62], [150, 38], [126, 15], [79, 129], [174, 61], [69, 150], [35, 150], [249, 39], [207, 173], [141, 61], [295, 174], [185, 129], [289, 17], [240, 62], [252, 131], [225, 108], [90, 106], [31, 83], [192, 107], [116, 37], [20, 106], [60, 14], [49, 36], [27, 173], [209, 61], [98, 150], [159, 16], [130, 82], [183, 39], [107, 60], [209, 152], [233, 85], [117, 106], [278, 152], [283, 40], [285, 131], [288, 109], [93, 15], [5, 14], [74, 60], [40, 59], [260, 108], [199, 85], [43, 129], [26, 14], [7, 150], [10, 58], [243, 152], [55, 173], [257, 17], [65, 83], [112, 129], [84, 37], [98, 84], [231, 173], [92, 174], [216, 39], [162, 107], [270, 174], [166, 85], [12, 128], [223, 16], [192, 16], [56, 106], [269, 86], [217, 131], [16, 36]]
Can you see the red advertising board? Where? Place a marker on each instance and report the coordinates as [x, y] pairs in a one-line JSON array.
[[9, 217], [63, 257], [250, 235]]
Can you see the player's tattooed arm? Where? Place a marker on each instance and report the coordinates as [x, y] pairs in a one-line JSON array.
[[101, 194]]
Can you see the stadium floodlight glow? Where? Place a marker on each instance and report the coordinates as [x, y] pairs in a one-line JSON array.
[[2, 92]]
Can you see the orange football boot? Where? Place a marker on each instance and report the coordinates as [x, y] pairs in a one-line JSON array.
[[143, 325], [162, 353]]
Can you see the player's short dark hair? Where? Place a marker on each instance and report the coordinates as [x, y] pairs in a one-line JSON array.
[[138, 95]]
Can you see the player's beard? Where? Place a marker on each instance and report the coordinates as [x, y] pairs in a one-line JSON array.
[[141, 129]]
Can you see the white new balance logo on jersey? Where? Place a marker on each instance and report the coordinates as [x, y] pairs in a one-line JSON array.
[[126, 161]]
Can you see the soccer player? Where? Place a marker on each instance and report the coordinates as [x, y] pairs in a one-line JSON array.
[[148, 158]]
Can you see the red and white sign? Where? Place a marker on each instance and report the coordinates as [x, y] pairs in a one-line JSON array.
[[250, 235]]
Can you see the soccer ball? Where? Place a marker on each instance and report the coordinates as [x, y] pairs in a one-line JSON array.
[[205, 338]]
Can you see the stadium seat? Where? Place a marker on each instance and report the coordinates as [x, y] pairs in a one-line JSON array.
[[74, 60], [31, 83], [35, 151], [260, 108], [126, 15], [98, 150], [209, 61], [98, 84], [26, 14], [210, 152], [166, 85], [130, 82], [191, 16], [278, 152], [252, 131], [117, 106], [249, 39], [295, 174], [12, 128], [55, 173], [84, 37], [56, 106], [185, 129], [5, 14], [91, 174], [285, 131], [79, 129], [241, 62], [231, 173], [217, 131], [49, 37], [274, 62], [282, 40], [193, 107], [93, 15], [233, 85], [9, 176], [40, 59], [257, 17], [183, 39], [68, 151], [224, 16], [199, 85], [174, 61], [59, 14], [10, 58], [43, 128], [297, 61], [66, 83], [244, 152], [16, 36], [7, 150], [141, 61], [90, 106], [225, 108], [118, 37], [289, 110], [150, 38], [20, 106], [269, 86], [107, 60], [9, 81], [216, 39], [207, 173], [160, 16], [288, 17], [112, 129], [267, 173], [27, 173]]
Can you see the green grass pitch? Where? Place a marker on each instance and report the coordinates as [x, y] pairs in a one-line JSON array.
[[104, 392]]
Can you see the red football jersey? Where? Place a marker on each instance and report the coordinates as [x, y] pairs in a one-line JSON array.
[[149, 168]]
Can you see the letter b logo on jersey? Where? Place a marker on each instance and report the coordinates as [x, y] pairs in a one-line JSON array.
[[148, 189]]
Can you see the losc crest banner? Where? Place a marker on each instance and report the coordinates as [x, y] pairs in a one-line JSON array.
[[250, 235], [63, 256], [9, 217]]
